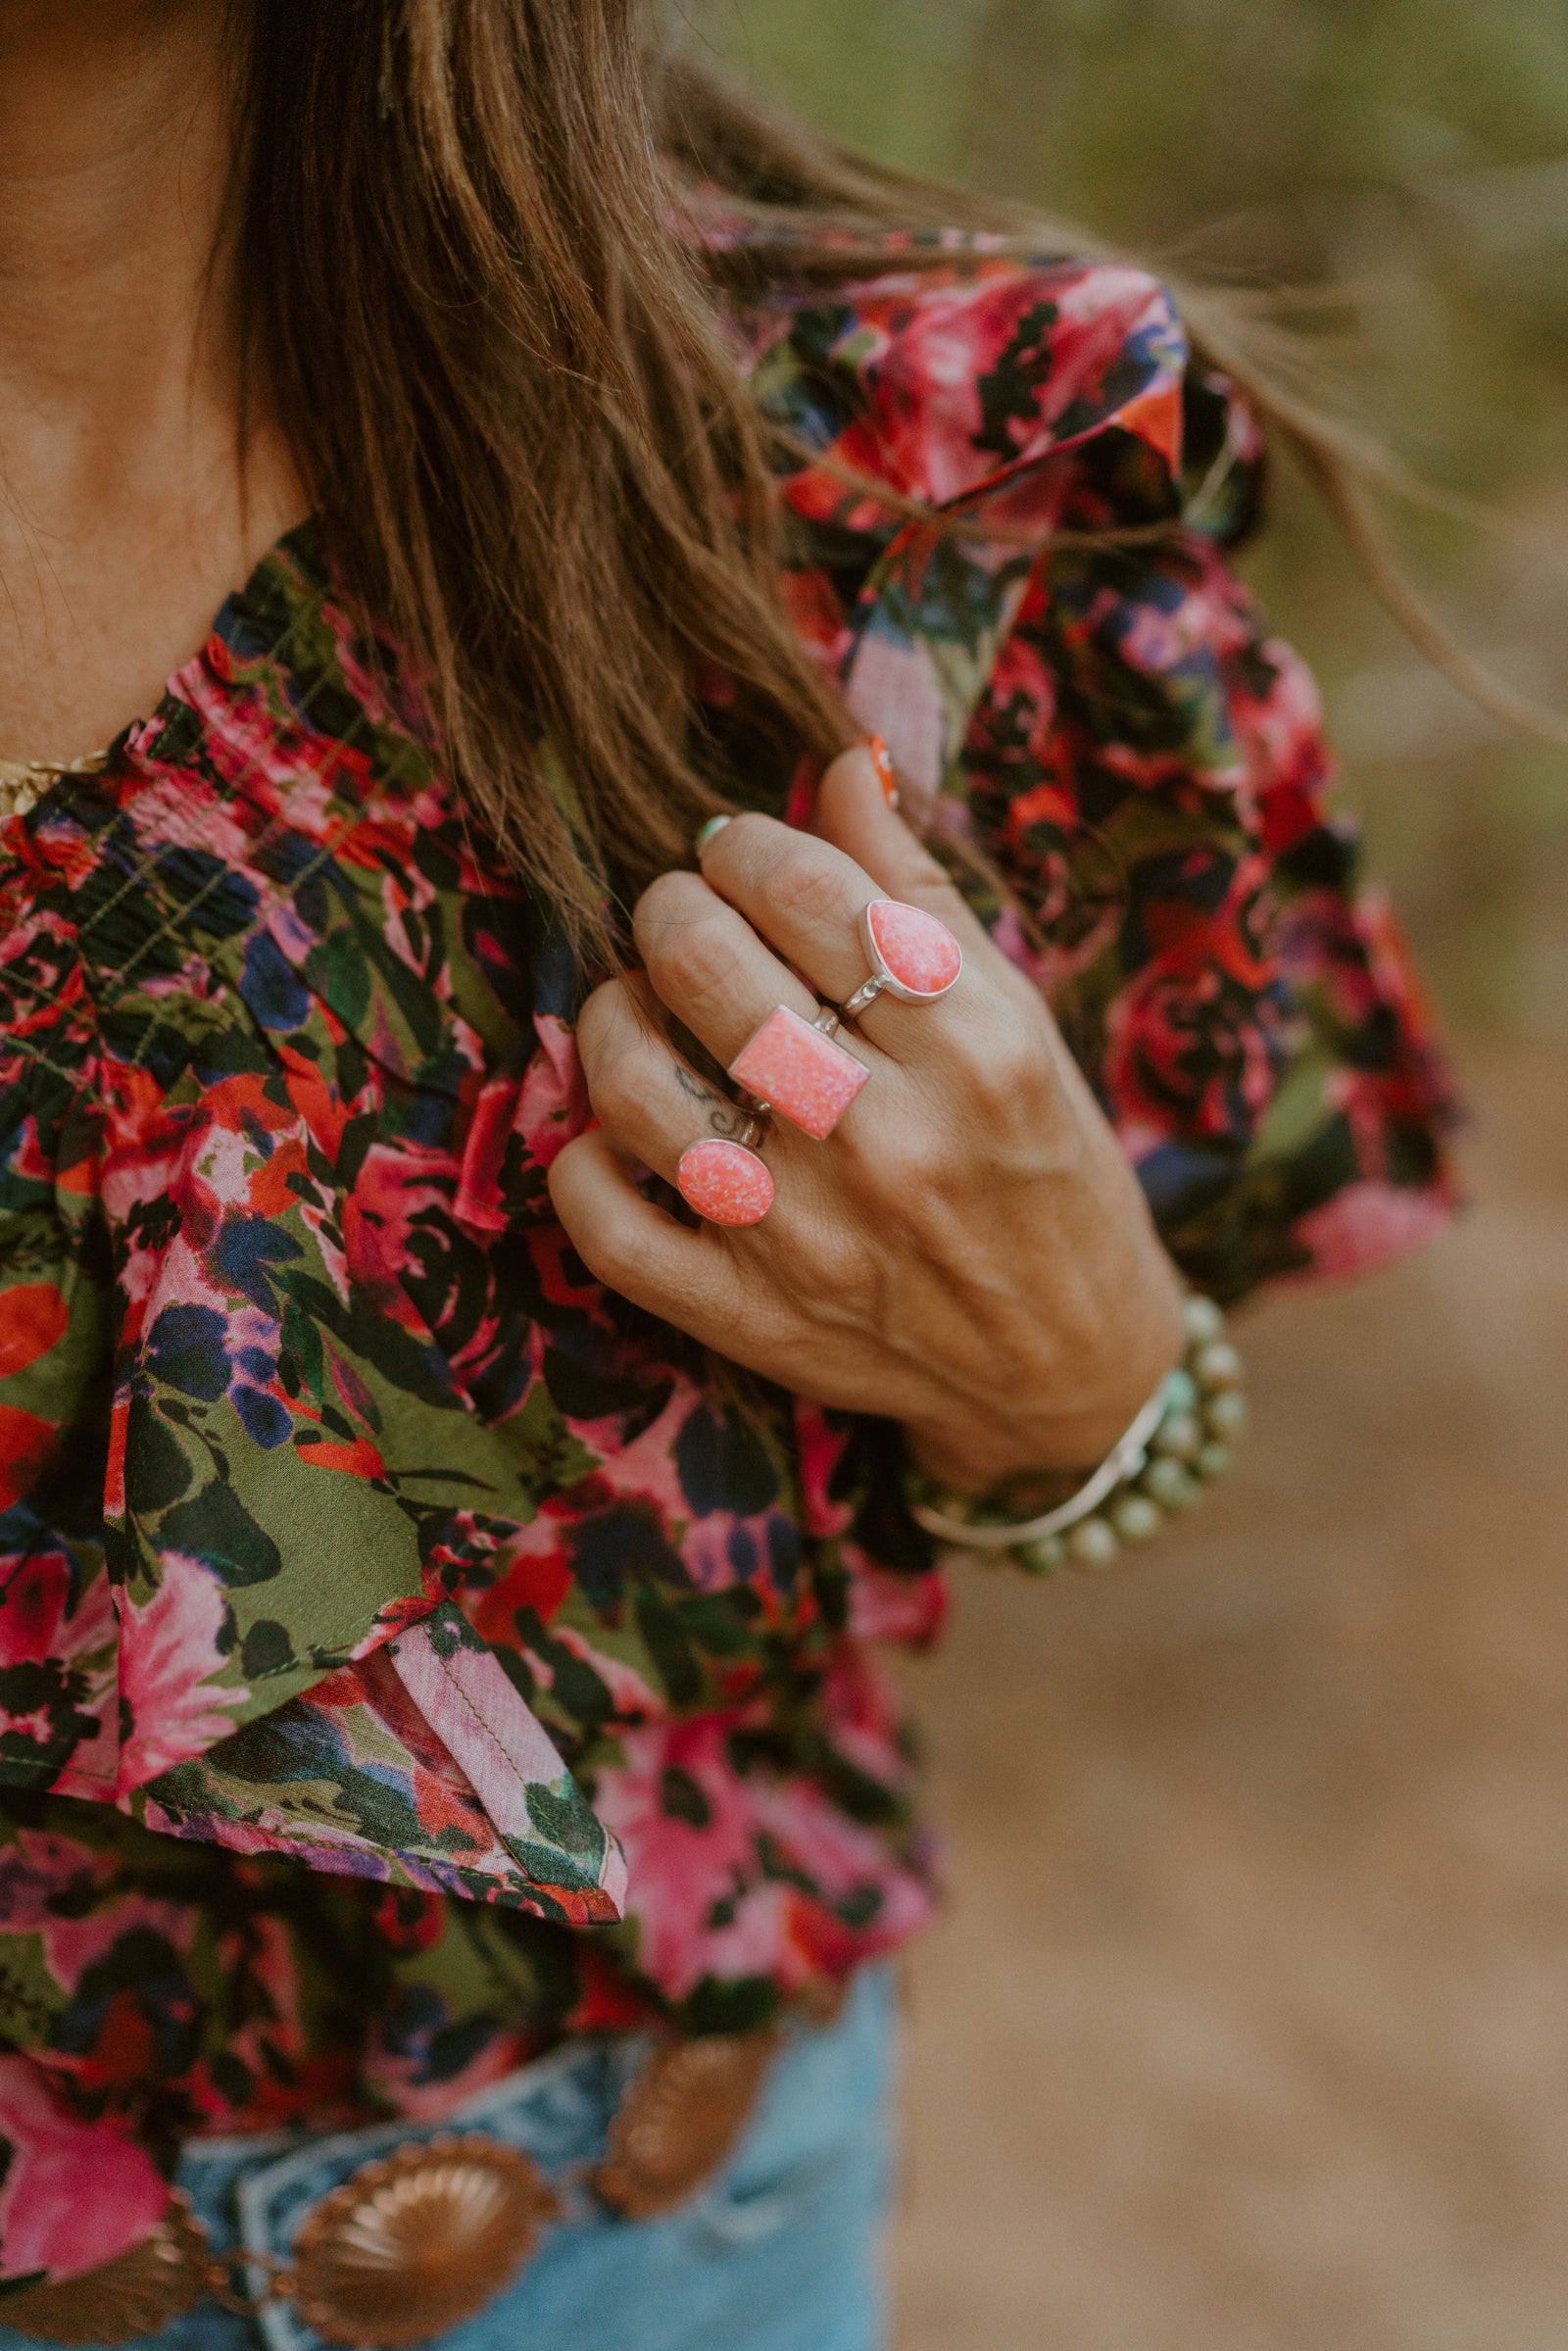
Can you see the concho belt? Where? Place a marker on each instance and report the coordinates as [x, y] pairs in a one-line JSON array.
[[420, 2239]]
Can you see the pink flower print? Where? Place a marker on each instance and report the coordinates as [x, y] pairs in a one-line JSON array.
[[46, 2219], [1368, 1225], [43, 1879], [819, 1443], [859, 1711], [37, 1619], [168, 1656], [844, 1860], [679, 1862], [553, 1106], [884, 1606], [393, 2073], [53, 1616], [398, 1207], [634, 1699]]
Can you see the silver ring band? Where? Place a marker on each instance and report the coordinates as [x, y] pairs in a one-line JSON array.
[[866, 993]]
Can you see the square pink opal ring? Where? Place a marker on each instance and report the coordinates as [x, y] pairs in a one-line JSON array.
[[912, 956], [799, 1071]]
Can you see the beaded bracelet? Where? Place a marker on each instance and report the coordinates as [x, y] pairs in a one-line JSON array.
[[1180, 1442]]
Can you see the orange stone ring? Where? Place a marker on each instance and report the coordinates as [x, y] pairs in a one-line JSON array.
[[913, 957]]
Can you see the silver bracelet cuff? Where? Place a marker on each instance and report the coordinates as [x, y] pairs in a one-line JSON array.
[[1122, 1463]]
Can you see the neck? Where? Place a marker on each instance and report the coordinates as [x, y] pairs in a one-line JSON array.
[[136, 489], [115, 146]]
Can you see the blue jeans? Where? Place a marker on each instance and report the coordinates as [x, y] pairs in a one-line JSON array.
[[781, 2251]]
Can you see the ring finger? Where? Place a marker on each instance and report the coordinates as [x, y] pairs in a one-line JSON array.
[[706, 964], [657, 1108]]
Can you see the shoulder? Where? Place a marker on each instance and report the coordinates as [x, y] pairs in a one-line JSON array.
[[946, 374]]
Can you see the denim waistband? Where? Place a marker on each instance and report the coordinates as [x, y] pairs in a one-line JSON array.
[[774, 2252], [824, 2094], [253, 2193]]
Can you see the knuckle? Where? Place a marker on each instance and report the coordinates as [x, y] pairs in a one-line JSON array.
[[611, 1255], [894, 1172], [695, 957], [600, 1017], [1008, 1076], [615, 1086], [836, 1278], [665, 894], [807, 889], [751, 834], [928, 1170]]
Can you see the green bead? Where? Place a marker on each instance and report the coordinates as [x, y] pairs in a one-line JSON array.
[[1178, 1436], [1093, 1544], [1213, 1461], [1166, 1483], [1226, 1414], [1181, 1392], [1136, 1518], [1218, 1365], [1203, 1318], [1043, 1557]]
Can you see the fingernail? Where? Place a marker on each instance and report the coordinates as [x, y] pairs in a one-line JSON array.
[[714, 825], [882, 761]]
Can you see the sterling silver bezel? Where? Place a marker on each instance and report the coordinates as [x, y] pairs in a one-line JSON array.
[[885, 984]]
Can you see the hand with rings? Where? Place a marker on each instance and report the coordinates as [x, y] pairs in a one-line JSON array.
[[930, 1219]]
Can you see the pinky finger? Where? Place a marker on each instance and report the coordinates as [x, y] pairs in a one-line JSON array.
[[688, 1278]]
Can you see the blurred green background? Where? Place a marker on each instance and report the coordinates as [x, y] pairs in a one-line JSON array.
[[1412, 153]]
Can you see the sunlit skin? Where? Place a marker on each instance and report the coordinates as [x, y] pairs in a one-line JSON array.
[[968, 1252]]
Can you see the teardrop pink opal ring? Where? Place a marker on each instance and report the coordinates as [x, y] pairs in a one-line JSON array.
[[913, 957]]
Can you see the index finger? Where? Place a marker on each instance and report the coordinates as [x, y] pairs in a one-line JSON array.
[[810, 902]]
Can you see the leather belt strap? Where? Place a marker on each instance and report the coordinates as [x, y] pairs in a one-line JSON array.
[[414, 2244]]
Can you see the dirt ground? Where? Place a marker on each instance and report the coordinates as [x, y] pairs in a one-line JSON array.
[[1246, 2028]]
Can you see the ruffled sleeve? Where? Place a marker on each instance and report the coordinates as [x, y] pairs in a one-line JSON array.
[[238, 1468], [1076, 685], [236, 1474]]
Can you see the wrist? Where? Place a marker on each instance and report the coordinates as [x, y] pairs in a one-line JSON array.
[[1178, 1442], [991, 1447]]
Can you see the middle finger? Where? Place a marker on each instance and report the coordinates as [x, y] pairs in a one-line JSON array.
[[809, 898]]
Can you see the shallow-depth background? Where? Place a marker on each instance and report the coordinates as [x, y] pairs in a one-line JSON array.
[[1247, 2024]]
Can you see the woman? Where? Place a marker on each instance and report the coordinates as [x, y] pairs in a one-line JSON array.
[[453, 1832]]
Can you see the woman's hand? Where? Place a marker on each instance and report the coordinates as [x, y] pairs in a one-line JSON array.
[[968, 1252]]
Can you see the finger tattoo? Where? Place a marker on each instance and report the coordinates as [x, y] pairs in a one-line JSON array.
[[724, 1117]]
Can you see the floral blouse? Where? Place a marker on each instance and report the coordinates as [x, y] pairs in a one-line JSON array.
[[410, 1653]]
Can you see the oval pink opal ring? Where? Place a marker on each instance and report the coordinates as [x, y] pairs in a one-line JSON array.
[[726, 1182], [913, 957]]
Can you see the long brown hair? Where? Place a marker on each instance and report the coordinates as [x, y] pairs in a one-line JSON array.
[[495, 357], [493, 347]]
